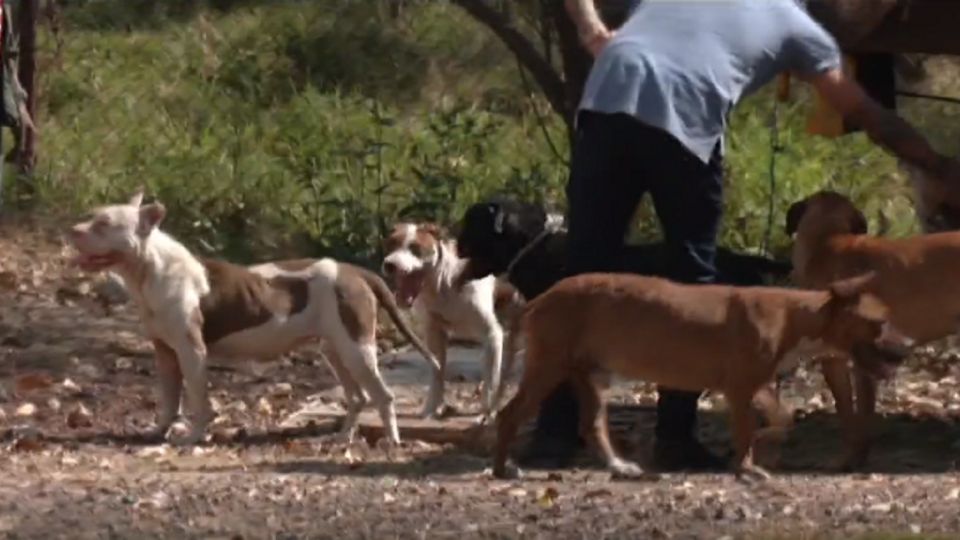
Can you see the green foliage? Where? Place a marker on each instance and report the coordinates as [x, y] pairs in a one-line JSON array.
[[303, 128]]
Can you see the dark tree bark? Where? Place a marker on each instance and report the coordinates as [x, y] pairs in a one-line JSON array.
[[27, 29], [898, 26]]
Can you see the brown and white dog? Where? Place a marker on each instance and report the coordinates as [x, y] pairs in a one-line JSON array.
[[428, 276], [724, 338], [914, 278], [195, 308]]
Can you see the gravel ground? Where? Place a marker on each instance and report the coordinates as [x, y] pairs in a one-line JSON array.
[[76, 392]]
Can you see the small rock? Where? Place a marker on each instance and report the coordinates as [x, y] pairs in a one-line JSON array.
[[153, 451], [281, 389], [26, 410], [54, 404], [111, 290], [79, 416], [882, 508], [3, 416], [70, 387], [264, 407], [225, 435], [517, 493], [915, 528], [88, 371], [123, 364], [26, 438]]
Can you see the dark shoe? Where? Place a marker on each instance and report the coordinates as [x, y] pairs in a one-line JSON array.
[[685, 454], [547, 452]]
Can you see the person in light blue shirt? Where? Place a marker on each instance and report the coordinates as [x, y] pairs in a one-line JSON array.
[[652, 120]]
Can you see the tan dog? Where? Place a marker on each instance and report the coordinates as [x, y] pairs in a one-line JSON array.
[[729, 339], [428, 275], [914, 278], [195, 308]]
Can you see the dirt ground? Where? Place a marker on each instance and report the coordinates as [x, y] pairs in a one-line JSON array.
[[76, 394]]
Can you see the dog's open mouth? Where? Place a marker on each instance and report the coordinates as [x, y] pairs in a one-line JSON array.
[[91, 262], [407, 286]]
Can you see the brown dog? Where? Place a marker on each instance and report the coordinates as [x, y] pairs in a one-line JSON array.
[[913, 278], [729, 339]]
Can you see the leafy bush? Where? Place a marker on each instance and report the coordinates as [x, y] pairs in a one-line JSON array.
[[305, 128]]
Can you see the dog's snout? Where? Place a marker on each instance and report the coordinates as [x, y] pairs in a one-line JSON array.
[[75, 232]]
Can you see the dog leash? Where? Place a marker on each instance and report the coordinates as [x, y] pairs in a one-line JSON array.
[[554, 224]]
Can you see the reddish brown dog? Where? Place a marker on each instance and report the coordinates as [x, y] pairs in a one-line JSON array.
[[914, 278], [729, 339]]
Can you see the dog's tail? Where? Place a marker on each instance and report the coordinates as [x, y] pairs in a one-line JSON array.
[[386, 300]]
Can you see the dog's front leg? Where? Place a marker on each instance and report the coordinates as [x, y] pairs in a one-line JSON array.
[[742, 423], [437, 343], [492, 369], [170, 382], [593, 426], [866, 406], [836, 374], [192, 357]]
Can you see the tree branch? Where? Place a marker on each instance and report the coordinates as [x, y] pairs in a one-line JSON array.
[[523, 48]]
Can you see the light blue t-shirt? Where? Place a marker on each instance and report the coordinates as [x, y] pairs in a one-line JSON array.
[[682, 65]]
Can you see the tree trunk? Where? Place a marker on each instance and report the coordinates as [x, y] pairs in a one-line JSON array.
[[27, 28]]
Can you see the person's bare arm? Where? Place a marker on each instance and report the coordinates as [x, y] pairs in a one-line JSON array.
[[884, 127], [593, 33]]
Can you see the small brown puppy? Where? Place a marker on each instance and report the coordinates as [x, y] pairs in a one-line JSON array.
[[729, 339], [914, 279]]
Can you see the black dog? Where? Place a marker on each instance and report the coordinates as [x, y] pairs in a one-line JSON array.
[[498, 236], [513, 238]]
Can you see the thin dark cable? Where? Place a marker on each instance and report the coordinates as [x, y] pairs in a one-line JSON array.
[[945, 99], [540, 120], [775, 148]]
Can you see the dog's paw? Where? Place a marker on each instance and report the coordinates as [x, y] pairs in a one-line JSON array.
[[484, 419], [628, 470], [157, 432], [184, 434], [388, 444], [437, 411], [752, 474], [507, 471]]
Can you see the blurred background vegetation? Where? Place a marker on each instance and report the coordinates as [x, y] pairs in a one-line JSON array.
[[281, 128]]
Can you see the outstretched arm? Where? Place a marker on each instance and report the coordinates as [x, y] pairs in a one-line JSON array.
[[884, 127], [593, 33]]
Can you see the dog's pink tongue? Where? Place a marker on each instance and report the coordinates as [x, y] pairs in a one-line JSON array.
[[407, 290], [91, 263]]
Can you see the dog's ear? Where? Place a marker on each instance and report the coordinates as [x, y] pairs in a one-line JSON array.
[[857, 293], [150, 217], [432, 229], [852, 287], [137, 199], [794, 215]]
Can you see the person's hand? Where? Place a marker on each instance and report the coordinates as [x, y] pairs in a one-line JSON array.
[[597, 39]]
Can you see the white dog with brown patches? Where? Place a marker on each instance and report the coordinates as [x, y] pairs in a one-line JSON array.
[[194, 308], [426, 272]]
